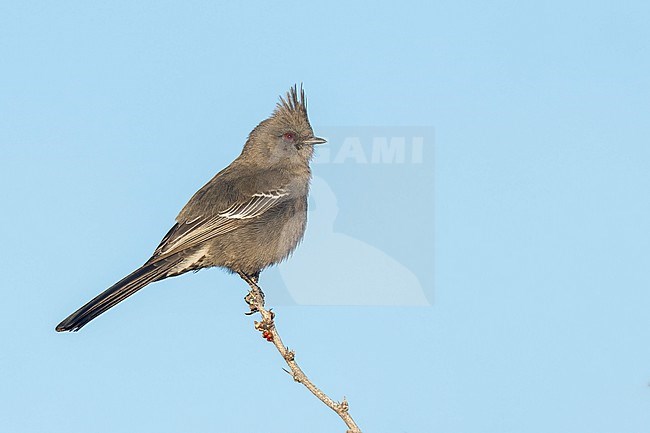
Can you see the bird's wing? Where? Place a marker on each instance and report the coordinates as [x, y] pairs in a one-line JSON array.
[[189, 233]]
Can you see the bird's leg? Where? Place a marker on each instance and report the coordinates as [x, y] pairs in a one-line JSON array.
[[255, 296]]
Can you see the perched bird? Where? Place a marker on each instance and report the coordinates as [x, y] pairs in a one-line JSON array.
[[250, 216]]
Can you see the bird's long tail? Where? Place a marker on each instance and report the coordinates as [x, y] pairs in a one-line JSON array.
[[115, 294]]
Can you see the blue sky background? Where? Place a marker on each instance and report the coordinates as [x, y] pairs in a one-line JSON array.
[[526, 225]]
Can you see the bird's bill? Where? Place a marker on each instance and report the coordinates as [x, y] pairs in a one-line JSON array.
[[314, 141]]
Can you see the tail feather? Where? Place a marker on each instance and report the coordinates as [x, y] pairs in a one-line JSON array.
[[115, 294]]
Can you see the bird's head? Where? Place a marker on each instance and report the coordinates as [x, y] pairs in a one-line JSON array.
[[286, 137]]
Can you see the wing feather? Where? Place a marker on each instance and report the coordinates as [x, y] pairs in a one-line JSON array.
[[187, 234]]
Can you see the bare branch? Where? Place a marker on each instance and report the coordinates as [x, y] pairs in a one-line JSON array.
[[255, 300]]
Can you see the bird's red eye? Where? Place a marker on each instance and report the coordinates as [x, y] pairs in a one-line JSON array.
[[289, 136]]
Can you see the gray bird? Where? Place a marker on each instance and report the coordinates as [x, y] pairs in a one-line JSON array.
[[250, 216]]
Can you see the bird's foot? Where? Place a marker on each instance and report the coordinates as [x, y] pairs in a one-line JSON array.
[[254, 299]]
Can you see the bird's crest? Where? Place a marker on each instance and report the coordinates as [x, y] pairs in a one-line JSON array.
[[292, 104]]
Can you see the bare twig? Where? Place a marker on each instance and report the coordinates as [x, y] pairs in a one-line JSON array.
[[255, 300]]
